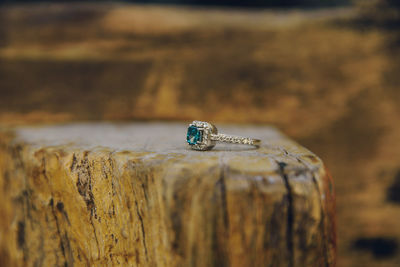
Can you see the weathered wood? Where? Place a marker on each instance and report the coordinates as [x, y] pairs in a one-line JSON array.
[[134, 194]]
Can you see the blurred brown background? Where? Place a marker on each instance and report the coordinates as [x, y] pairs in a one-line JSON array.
[[327, 73]]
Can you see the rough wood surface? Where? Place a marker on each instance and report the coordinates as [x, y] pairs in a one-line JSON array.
[[135, 195]]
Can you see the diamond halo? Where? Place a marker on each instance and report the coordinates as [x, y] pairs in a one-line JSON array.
[[205, 130]]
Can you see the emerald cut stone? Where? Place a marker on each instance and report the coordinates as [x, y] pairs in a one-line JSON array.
[[193, 135]]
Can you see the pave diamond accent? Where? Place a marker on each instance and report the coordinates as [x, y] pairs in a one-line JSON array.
[[232, 139]]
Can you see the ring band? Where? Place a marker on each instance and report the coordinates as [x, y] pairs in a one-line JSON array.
[[204, 135]]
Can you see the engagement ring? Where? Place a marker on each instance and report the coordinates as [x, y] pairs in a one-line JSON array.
[[204, 135]]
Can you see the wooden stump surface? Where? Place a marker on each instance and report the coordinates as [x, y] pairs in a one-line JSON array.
[[135, 195]]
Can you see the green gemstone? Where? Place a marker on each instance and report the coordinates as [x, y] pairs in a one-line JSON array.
[[193, 135]]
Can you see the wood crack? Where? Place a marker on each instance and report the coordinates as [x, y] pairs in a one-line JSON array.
[[224, 204], [142, 227], [64, 240], [290, 213], [84, 186]]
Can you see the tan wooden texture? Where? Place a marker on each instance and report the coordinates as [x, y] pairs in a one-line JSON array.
[[135, 195]]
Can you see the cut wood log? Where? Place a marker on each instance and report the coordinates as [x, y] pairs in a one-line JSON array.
[[136, 195]]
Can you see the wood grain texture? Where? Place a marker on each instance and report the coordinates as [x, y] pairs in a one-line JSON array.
[[135, 195]]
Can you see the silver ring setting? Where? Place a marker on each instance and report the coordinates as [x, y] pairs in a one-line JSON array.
[[203, 136]]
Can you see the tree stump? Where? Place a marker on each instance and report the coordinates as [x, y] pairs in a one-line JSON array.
[[135, 195]]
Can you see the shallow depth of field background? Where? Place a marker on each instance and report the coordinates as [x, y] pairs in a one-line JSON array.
[[327, 73]]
